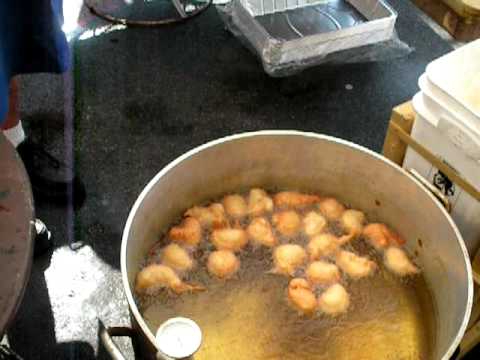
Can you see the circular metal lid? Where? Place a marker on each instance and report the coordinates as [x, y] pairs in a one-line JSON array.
[[16, 231], [178, 338]]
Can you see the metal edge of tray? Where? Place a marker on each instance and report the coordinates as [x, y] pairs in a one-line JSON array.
[[328, 35], [308, 42], [249, 31], [272, 50]]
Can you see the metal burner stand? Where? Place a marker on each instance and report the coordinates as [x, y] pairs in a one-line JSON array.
[[179, 6]]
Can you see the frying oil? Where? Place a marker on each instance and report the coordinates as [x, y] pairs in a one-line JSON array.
[[248, 316]]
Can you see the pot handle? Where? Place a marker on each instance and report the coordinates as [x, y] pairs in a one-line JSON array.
[[435, 192], [106, 335]]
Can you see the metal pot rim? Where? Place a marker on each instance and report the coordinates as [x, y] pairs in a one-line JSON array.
[[198, 149]]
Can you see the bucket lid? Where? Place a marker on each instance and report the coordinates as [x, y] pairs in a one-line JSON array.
[[421, 109], [446, 104], [455, 131], [458, 74]]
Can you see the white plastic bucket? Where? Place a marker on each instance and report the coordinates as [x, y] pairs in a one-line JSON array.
[[428, 132]]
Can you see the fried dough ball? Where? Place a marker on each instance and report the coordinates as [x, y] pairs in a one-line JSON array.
[[314, 223], [213, 215], [334, 301], [156, 276], [301, 296], [176, 257], [260, 231], [322, 273], [222, 264], [259, 202], [189, 232], [380, 236], [235, 206], [353, 265], [287, 258], [294, 199], [397, 261], [287, 222], [331, 208], [322, 245], [232, 239], [352, 222]]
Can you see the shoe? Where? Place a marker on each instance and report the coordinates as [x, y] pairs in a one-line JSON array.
[[8, 354], [43, 239], [51, 179]]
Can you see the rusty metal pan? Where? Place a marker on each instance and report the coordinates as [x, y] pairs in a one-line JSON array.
[[16, 231]]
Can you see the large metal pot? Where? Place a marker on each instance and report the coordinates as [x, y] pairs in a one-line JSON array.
[[309, 162]]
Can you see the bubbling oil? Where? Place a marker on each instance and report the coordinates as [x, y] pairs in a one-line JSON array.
[[248, 317]]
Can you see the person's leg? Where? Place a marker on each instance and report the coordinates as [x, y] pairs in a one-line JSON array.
[[12, 126], [31, 40], [51, 179], [13, 116]]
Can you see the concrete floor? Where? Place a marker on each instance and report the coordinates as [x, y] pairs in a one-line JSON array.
[[143, 97]]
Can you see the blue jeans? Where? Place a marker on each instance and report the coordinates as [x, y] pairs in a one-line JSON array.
[[31, 40]]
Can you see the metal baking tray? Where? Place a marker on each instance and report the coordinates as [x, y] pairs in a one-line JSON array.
[[299, 32]]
